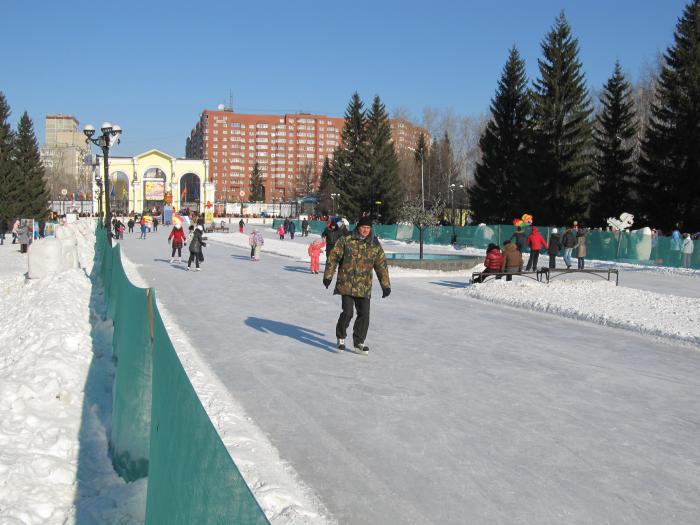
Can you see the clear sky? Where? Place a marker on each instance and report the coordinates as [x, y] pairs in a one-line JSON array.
[[153, 66]]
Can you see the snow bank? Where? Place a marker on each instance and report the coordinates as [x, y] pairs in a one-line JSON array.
[[599, 302], [55, 398]]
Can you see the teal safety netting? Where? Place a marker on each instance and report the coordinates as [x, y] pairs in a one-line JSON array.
[[635, 246], [192, 477], [159, 426]]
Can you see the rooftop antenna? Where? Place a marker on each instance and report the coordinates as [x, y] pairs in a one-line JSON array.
[[230, 100]]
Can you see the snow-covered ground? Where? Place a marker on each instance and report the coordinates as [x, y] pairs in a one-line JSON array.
[[55, 398], [418, 433]]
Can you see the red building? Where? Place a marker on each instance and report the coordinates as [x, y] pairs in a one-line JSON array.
[[290, 150]]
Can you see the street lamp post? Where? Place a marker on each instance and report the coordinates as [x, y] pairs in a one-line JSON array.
[[422, 185], [98, 180], [333, 196], [452, 194], [109, 137]]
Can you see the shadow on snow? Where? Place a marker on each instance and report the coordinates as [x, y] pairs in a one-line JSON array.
[[299, 333]]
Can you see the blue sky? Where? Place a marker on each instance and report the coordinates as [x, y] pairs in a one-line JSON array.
[[153, 66]]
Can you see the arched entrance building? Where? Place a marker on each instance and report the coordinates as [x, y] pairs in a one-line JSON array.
[[154, 180]]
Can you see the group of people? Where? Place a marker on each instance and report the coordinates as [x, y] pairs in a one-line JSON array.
[[21, 234], [509, 260], [195, 239], [289, 227]]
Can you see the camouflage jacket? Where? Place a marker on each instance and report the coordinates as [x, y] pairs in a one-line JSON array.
[[355, 258]]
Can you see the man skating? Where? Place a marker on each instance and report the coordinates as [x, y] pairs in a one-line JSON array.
[[356, 256]]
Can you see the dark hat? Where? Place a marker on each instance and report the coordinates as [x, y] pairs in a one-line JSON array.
[[364, 221]]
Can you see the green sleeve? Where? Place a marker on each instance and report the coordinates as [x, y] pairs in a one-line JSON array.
[[333, 258], [381, 269]]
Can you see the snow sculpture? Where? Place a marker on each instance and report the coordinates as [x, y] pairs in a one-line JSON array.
[[623, 223], [53, 255]]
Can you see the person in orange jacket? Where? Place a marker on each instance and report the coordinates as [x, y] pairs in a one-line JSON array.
[[315, 254], [536, 242]]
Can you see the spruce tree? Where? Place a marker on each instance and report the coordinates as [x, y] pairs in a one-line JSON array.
[[433, 172], [669, 180], [256, 184], [614, 134], [350, 162], [35, 195], [10, 182], [558, 190], [495, 196], [385, 195]]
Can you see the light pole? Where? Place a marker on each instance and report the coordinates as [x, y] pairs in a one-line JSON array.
[[108, 138], [98, 180], [422, 185], [452, 194], [333, 196]]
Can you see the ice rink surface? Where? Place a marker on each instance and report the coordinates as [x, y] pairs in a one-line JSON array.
[[464, 411]]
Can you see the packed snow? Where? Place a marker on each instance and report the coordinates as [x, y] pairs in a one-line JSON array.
[[55, 396]]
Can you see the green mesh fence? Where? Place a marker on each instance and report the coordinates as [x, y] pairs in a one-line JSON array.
[[159, 426], [192, 477], [635, 247]]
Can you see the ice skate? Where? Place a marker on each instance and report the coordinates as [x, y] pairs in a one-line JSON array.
[[172, 259], [361, 349], [341, 344], [198, 269]]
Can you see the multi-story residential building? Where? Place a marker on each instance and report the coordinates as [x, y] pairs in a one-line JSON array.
[[63, 155], [290, 150], [404, 134]]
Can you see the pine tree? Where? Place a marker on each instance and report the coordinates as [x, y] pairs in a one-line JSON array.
[[385, 195], [559, 187], [614, 135], [35, 195], [257, 191], [350, 162], [10, 182], [433, 171], [495, 196], [669, 189]]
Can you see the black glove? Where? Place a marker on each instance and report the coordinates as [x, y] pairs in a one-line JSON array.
[[386, 292], [326, 282]]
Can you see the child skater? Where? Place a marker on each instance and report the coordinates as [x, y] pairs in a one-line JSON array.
[[315, 254], [178, 239]]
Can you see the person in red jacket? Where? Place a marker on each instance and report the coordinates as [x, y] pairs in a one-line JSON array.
[[493, 260], [315, 254], [178, 239], [536, 242]]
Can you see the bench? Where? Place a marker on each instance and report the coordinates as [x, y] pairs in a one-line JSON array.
[[480, 277], [219, 228], [552, 273]]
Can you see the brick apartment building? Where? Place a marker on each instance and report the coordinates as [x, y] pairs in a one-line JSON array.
[[287, 148]]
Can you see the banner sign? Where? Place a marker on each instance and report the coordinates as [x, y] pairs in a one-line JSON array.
[[154, 190]]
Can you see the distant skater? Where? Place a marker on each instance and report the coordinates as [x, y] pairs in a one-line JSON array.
[[196, 245], [280, 231], [241, 225], [314, 250], [256, 241], [177, 236]]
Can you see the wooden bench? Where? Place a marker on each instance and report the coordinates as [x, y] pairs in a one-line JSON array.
[[221, 227], [480, 277], [552, 273]]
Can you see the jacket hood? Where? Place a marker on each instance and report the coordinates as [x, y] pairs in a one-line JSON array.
[[534, 229]]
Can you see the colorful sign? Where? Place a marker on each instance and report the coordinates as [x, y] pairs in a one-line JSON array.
[[209, 216], [154, 190]]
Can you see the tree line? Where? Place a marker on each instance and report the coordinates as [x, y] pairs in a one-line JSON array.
[[23, 192], [545, 151]]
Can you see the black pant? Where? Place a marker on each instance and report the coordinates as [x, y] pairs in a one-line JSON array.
[[552, 261], [23, 249], [193, 257], [252, 252], [532, 261], [581, 263], [359, 329], [179, 251]]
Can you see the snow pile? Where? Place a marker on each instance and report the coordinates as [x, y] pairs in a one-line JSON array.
[[601, 303], [282, 495], [55, 397]]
